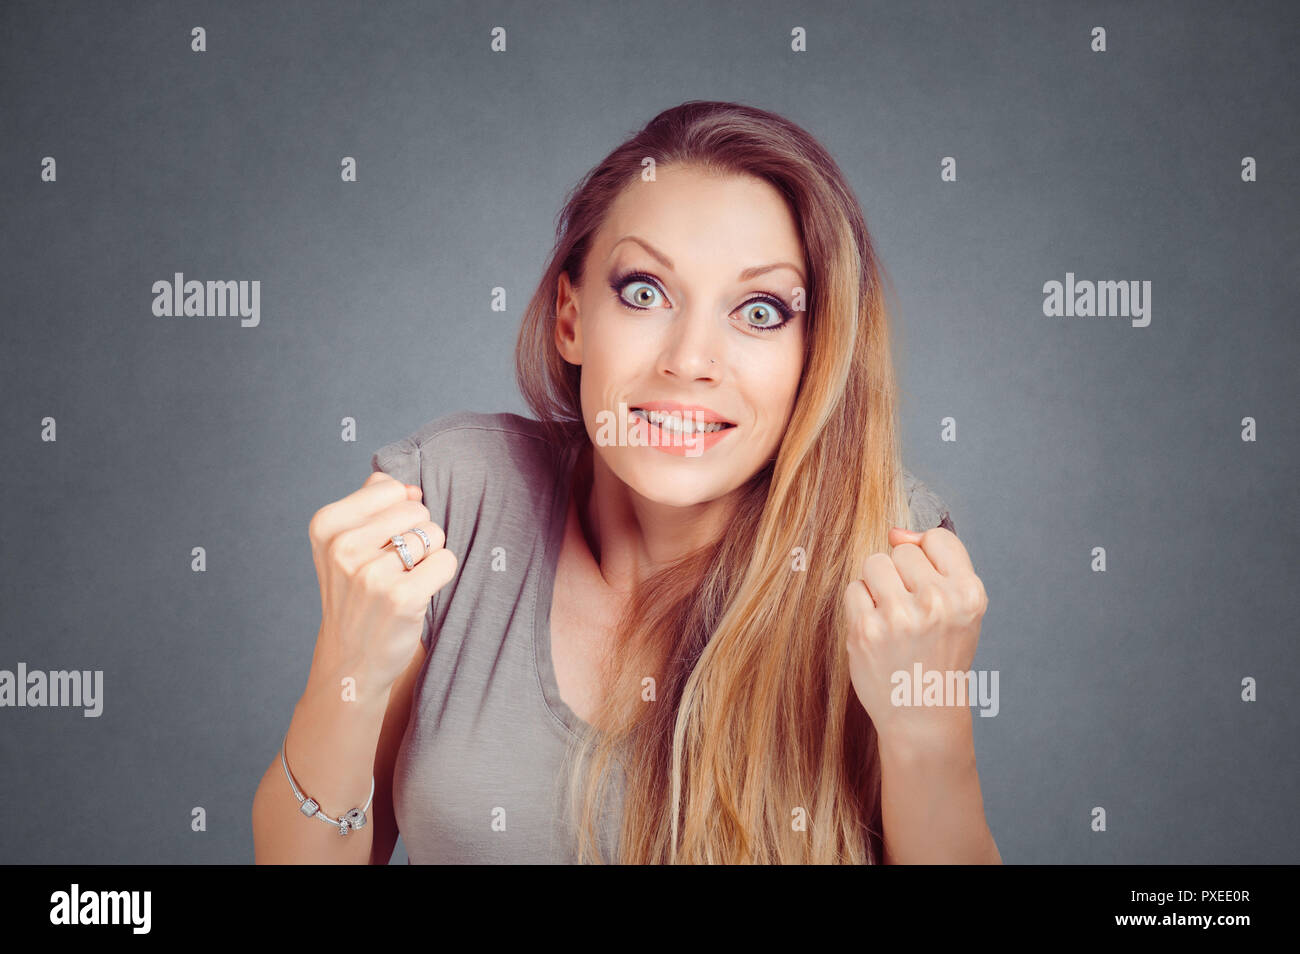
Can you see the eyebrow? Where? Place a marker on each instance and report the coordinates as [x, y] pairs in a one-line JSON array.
[[745, 275]]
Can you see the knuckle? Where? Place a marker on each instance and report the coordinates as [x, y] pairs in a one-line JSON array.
[[903, 617], [437, 536], [861, 634], [847, 595], [316, 525], [336, 550], [879, 560], [439, 567], [872, 631], [395, 603], [932, 600], [973, 597], [418, 512], [449, 563], [402, 602], [372, 576]]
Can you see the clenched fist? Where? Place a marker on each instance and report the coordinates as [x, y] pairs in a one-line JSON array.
[[372, 607], [921, 603]]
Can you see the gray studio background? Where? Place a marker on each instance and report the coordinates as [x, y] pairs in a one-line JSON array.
[[1119, 689]]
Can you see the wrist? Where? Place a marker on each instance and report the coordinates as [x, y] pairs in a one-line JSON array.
[[944, 736], [344, 682]]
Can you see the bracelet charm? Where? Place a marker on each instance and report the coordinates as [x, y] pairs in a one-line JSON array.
[[349, 821]]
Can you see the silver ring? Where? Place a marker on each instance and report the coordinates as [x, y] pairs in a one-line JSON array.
[[400, 546], [428, 544]]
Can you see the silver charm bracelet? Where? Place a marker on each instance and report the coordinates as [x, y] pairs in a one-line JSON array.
[[349, 821]]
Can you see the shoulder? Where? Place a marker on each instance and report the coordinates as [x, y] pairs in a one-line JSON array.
[[926, 509], [470, 463], [472, 440]]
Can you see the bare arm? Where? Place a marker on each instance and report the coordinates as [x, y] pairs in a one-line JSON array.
[[920, 607], [332, 747], [373, 608], [931, 806]]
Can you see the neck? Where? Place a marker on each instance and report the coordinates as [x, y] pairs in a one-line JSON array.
[[631, 536]]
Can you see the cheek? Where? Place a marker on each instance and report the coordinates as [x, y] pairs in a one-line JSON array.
[[603, 373], [614, 351], [775, 384]]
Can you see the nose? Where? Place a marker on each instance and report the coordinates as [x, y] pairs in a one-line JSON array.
[[693, 349]]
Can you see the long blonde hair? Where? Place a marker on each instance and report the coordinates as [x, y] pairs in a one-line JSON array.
[[756, 749]]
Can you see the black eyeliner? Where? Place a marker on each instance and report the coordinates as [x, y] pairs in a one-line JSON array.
[[767, 298]]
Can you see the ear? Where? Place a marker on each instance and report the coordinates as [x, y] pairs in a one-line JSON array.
[[568, 325]]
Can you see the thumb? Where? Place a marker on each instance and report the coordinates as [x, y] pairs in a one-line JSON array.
[[898, 535]]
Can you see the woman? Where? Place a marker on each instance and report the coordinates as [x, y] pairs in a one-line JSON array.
[[676, 613]]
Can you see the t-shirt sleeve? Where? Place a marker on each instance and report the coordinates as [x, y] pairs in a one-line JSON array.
[[926, 509], [402, 459], [484, 476]]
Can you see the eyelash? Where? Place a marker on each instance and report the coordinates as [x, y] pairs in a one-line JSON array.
[[784, 310]]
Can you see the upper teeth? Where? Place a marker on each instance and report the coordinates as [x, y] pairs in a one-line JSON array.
[[675, 422]]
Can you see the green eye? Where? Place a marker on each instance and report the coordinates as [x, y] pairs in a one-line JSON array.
[[775, 314], [766, 314], [642, 297]]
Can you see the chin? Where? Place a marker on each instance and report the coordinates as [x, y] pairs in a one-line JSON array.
[[671, 482]]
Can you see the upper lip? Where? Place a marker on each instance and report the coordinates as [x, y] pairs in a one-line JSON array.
[[698, 411]]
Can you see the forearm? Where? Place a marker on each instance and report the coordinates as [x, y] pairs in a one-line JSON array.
[[931, 805], [331, 748]]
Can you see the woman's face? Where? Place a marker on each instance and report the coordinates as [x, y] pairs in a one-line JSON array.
[[688, 304]]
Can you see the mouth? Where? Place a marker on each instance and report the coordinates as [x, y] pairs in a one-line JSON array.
[[682, 422]]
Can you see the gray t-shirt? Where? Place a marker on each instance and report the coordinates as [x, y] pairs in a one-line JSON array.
[[477, 777]]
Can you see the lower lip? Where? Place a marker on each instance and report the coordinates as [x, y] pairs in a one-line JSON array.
[[672, 442]]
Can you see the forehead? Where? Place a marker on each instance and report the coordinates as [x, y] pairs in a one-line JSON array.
[[696, 217]]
